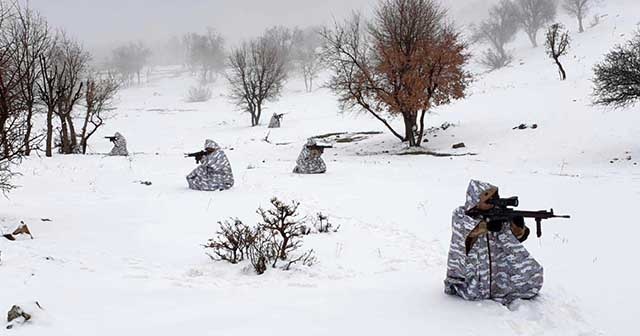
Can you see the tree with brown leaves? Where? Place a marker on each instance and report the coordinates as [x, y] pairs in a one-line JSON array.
[[404, 62]]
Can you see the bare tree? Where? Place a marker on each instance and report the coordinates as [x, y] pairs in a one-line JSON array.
[[498, 30], [205, 53], [285, 39], [406, 61], [66, 84], [306, 55], [31, 33], [617, 78], [579, 9], [557, 44], [13, 119], [534, 15], [71, 88], [256, 75], [47, 88], [99, 98], [130, 59]]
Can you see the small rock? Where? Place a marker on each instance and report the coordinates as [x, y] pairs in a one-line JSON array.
[[459, 145], [18, 315]]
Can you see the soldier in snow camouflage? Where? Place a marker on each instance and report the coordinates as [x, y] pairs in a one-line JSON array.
[[119, 145], [276, 120], [497, 267], [214, 172], [309, 160]]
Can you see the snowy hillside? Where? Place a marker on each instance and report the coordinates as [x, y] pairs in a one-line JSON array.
[[121, 258]]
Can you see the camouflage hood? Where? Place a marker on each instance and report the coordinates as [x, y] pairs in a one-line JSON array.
[[474, 191], [211, 144]]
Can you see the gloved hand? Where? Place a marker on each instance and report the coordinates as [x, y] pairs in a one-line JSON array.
[[494, 226]]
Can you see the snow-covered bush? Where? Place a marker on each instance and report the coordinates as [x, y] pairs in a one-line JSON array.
[[231, 241], [276, 238], [198, 94], [617, 78]]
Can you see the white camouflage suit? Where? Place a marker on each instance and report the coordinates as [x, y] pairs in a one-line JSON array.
[[119, 146], [275, 121], [498, 267], [214, 172], [307, 163]]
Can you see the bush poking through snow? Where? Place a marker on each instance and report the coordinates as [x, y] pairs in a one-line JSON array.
[[198, 94], [232, 241], [262, 250], [274, 239], [617, 78], [322, 224], [283, 220]]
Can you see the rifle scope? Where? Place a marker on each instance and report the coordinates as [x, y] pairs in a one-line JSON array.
[[504, 202]]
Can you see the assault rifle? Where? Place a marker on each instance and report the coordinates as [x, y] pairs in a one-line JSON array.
[[111, 138], [320, 145], [197, 155], [501, 212]]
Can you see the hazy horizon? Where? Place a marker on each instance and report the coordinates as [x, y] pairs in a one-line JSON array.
[[99, 24]]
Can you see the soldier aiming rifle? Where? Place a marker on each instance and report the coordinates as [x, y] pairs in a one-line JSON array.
[[310, 160], [487, 259], [276, 120], [119, 145]]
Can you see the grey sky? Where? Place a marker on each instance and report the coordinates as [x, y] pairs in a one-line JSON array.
[[105, 22]]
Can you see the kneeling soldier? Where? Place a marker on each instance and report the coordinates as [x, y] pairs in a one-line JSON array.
[[214, 172]]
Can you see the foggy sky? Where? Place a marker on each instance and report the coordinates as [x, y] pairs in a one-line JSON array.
[[107, 22]]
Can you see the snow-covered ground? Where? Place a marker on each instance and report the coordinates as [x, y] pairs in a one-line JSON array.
[[122, 258]]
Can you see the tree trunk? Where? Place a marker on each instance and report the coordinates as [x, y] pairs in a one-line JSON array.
[[49, 141], [563, 74], [73, 138], [66, 143], [27, 134], [421, 127], [580, 26], [533, 38], [409, 129], [257, 114]]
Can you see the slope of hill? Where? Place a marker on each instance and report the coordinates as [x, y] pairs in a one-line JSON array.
[[123, 258]]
